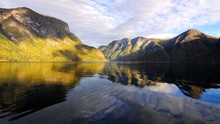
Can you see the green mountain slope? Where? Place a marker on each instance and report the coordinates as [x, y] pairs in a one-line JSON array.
[[191, 45], [28, 36]]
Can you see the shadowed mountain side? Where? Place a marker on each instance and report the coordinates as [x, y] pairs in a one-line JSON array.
[[191, 45], [28, 36], [30, 87]]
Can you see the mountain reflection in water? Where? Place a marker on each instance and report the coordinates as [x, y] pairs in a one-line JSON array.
[[26, 88], [87, 92], [191, 78]]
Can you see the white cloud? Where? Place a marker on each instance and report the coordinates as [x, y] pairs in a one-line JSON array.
[[162, 36], [164, 88], [98, 22]]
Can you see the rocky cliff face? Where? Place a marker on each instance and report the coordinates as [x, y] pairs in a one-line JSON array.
[[30, 36], [135, 50], [44, 26], [191, 45]]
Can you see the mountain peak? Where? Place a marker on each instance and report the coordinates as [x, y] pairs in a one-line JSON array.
[[139, 37], [192, 29], [189, 35], [23, 8], [193, 32], [17, 10]]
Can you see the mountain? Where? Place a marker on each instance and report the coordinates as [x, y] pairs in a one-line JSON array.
[[191, 45], [135, 49], [28, 36]]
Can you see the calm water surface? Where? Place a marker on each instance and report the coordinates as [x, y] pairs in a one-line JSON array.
[[109, 93]]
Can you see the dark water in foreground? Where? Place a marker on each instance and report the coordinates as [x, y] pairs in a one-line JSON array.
[[112, 93]]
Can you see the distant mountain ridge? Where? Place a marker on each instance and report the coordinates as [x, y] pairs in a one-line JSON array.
[[191, 45], [29, 36]]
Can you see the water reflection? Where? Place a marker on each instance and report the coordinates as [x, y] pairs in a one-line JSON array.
[[21, 100], [30, 88], [191, 78], [49, 73]]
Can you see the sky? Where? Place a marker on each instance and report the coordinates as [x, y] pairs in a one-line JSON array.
[[98, 22]]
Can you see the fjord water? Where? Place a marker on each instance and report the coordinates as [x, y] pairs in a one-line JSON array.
[[124, 92]]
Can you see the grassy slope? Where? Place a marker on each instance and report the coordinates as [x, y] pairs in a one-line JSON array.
[[9, 51], [47, 50]]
